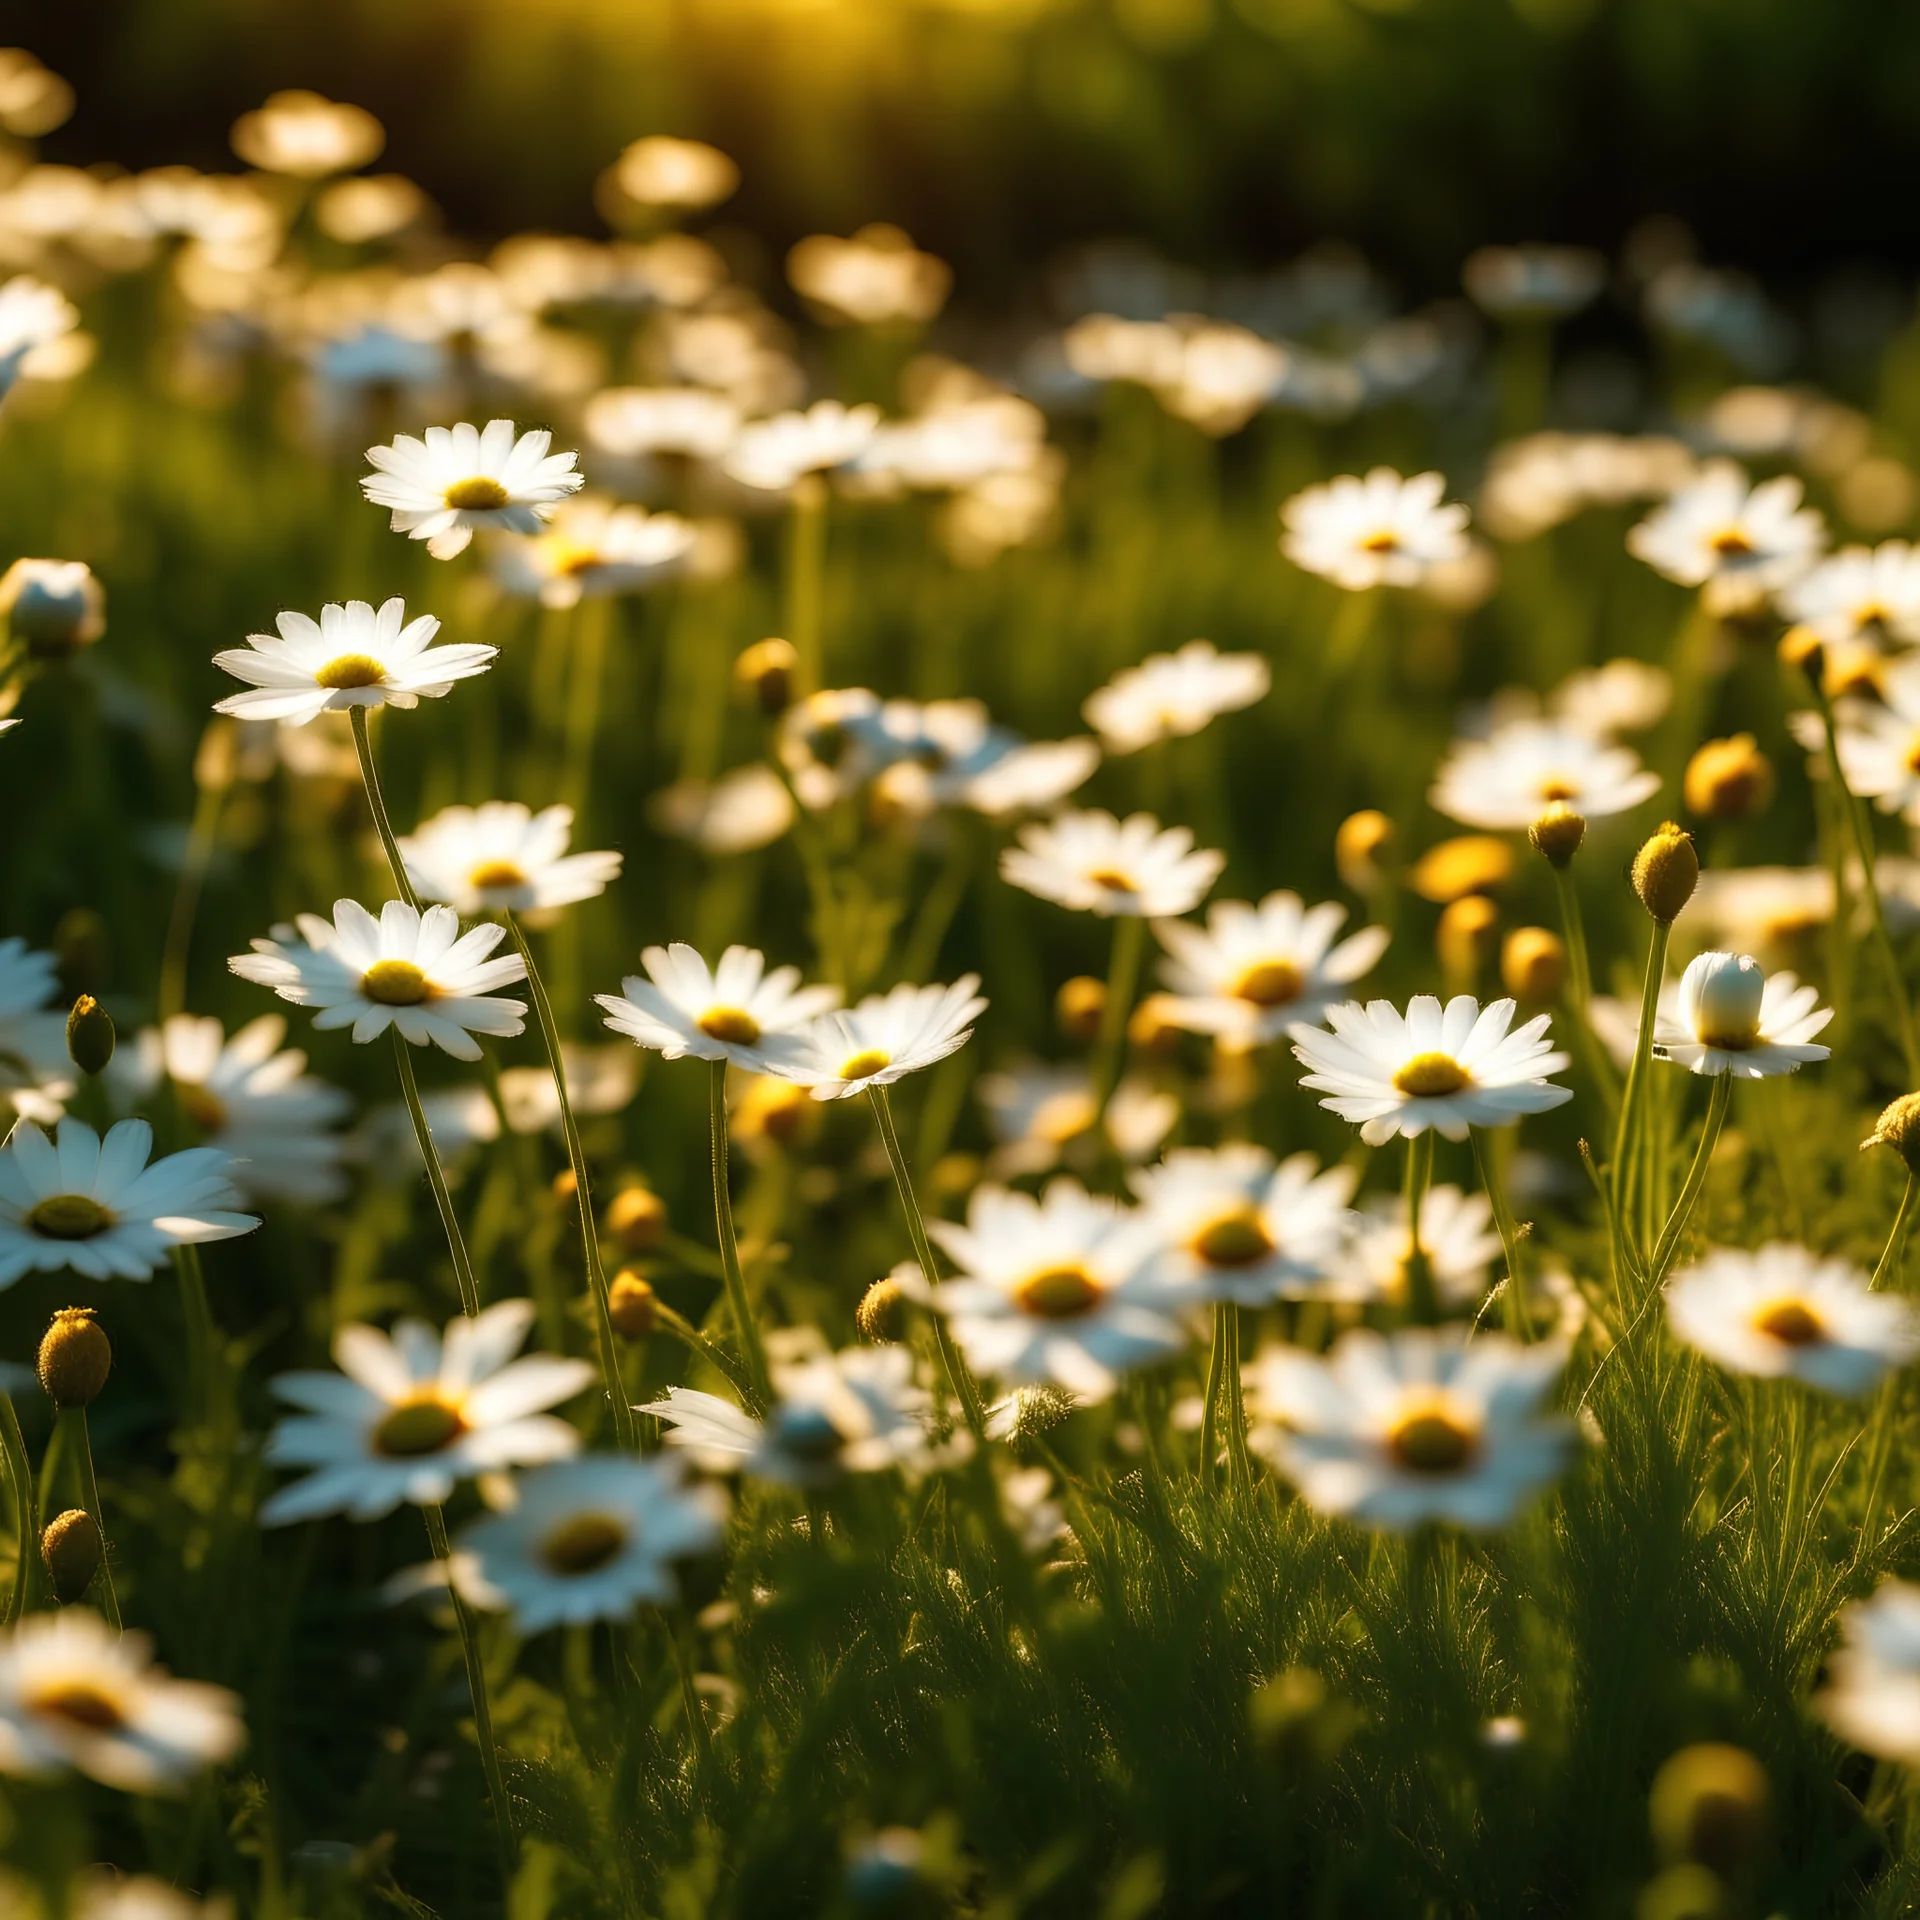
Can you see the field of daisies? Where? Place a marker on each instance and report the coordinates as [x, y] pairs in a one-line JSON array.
[[820, 1102]]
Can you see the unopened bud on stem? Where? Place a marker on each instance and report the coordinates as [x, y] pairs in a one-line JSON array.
[[72, 1548], [1665, 872], [632, 1305], [764, 674], [1557, 834], [75, 1358], [89, 1035], [1899, 1128]]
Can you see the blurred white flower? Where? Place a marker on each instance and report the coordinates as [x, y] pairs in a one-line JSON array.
[[36, 1075], [1173, 694], [1619, 696], [747, 808], [833, 742], [629, 422], [1872, 1696], [1093, 863], [774, 454], [680, 175], [1753, 908], [950, 753], [884, 1038], [1380, 531], [1534, 282], [593, 549], [307, 135], [1719, 527], [1040, 1114], [737, 1011], [1869, 594], [1878, 741], [1731, 1016], [1456, 1236], [1537, 482], [599, 1080], [31, 314], [876, 277], [442, 487], [503, 857], [1509, 779]]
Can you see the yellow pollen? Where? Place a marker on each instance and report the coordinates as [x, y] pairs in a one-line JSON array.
[[1235, 1239], [69, 1216], [351, 670], [481, 494], [1791, 1322], [864, 1065], [1058, 1293], [418, 1427], [582, 1545], [1730, 542], [1113, 880], [1554, 788], [731, 1026], [1871, 618], [496, 875], [394, 983], [1431, 1076], [80, 1705], [1384, 541], [1269, 983], [1432, 1437], [206, 1110]]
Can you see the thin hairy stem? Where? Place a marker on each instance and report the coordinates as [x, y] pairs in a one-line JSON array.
[[1894, 1252], [376, 801], [1627, 1135], [1423, 1303], [1123, 977], [436, 1177], [76, 1419], [20, 1470], [1486, 1160], [736, 1282], [1669, 1242]]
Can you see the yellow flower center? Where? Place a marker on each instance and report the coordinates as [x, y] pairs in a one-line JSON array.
[[481, 494], [582, 1545], [69, 1216], [206, 1110], [1872, 619], [394, 983], [1431, 1436], [1235, 1239], [496, 876], [1791, 1322], [1058, 1293], [569, 558], [1385, 540], [418, 1427], [1431, 1076], [1555, 788], [1061, 1116], [1731, 542], [80, 1705], [1113, 880], [1269, 983], [1912, 755], [865, 1064], [731, 1026], [351, 670]]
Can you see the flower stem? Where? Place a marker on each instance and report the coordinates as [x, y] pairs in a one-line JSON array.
[[591, 619], [736, 1281], [1580, 986], [1238, 1459], [1895, 1250], [806, 574], [75, 1418], [370, 779], [1486, 1159], [1626, 1139], [436, 1176], [1123, 975], [1423, 1303], [20, 1470], [172, 996], [477, 1686], [623, 1426], [965, 1390], [1216, 1381], [1669, 1242], [1351, 628]]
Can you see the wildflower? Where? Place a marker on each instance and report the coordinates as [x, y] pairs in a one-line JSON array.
[[1860, 594], [949, 753], [1234, 1226], [1420, 1425], [90, 1035], [1054, 1291], [1619, 696], [410, 1414], [55, 607], [442, 487], [100, 1209], [1508, 779], [1041, 1114], [374, 207], [1096, 864], [1665, 872], [78, 1697], [688, 423], [1361, 847], [502, 857], [307, 135], [587, 1539], [737, 1012], [1255, 971], [876, 277], [1711, 1804], [592, 549], [36, 1075], [1872, 1697], [680, 175], [1784, 1313], [1464, 938], [1457, 1238], [884, 1038], [632, 1305], [351, 657], [1533, 282], [1448, 1068], [1732, 1016], [775, 454], [71, 1549], [1728, 778], [1467, 864], [1899, 1128], [833, 742], [31, 314], [1380, 531], [1533, 964], [1173, 694], [747, 808], [1879, 743], [1719, 528]]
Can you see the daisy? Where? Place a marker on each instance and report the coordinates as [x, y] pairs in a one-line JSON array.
[[1456, 1235], [1042, 1114], [410, 970], [1533, 282], [36, 1075], [409, 1415], [949, 753], [351, 657], [690, 422], [1233, 1226], [588, 1539], [1054, 1291], [1096, 864], [1619, 696], [1860, 594], [307, 135], [1731, 1016], [1509, 779], [737, 1012], [1785, 1313], [833, 742], [442, 487], [1761, 907], [77, 1696], [1719, 527], [1380, 531], [1255, 971], [885, 1038], [501, 857], [1399, 1429], [599, 1080], [96, 1207], [1878, 742], [775, 454], [593, 549], [1449, 1068], [681, 175], [1872, 1696], [248, 1097], [748, 808], [31, 314], [55, 606], [1172, 694], [876, 277]]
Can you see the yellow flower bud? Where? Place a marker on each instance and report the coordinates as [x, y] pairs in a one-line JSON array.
[[75, 1358], [1470, 863], [1533, 963], [1465, 937], [1152, 1029], [764, 674], [1557, 834], [632, 1305], [637, 1217], [881, 1314], [774, 1109], [1728, 778], [1361, 847], [89, 1035], [1665, 872], [1079, 1006], [1801, 647], [1899, 1128], [72, 1548], [1712, 1805]]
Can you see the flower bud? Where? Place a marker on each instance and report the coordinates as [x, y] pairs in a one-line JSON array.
[[770, 1108], [1533, 963], [72, 1549], [75, 1358], [1665, 872], [882, 1312], [1469, 863], [1801, 647], [1720, 998], [764, 674], [1079, 1006], [637, 1217], [89, 1035], [1360, 849], [1557, 834], [1152, 1027], [562, 1187], [1464, 938], [1899, 1128], [52, 607], [632, 1305], [1711, 1805], [1032, 1412], [1728, 778]]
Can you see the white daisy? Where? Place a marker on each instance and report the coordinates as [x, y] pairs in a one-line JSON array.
[[690, 422], [1096, 864], [76, 1696], [503, 857], [949, 753], [351, 657], [594, 548], [774, 454], [1509, 779], [1424, 1424], [588, 1539], [833, 742], [886, 1037], [1784, 1313], [1449, 1068], [411, 970], [747, 808], [1860, 594], [1254, 971], [36, 1075], [1054, 1291], [1755, 908], [1233, 1226], [1380, 531], [411, 1414], [1878, 741], [31, 314], [599, 1080], [737, 1012], [96, 1207], [1719, 527], [1456, 1235], [1171, 694], [307, 135], [1041, 1114], [442, 487], [1872, 1696], [248, 1097], [1618, 696], [1731, 1016]]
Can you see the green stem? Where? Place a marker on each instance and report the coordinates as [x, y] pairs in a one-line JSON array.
[[1210, 1415], [591, 619], [436, 1177], [1626, 1139], [76, 1418], [1486, 1159], [690, 1696], [1423, 1303], [736, 1281], [370, 779], [1669, 1242], [1351, 627], [715, 1355], [1123, 976], [20, 1471], [965, 1390], [1580, 986], [1238, 1459], [1895, 1250], [623, 1426], [806, 575], [172, 997]]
